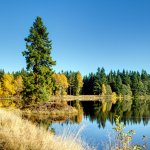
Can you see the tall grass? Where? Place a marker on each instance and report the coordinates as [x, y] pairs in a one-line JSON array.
[[19, 134]]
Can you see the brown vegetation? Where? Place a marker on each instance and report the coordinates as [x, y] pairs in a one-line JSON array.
[[53, 108], [19, 134]]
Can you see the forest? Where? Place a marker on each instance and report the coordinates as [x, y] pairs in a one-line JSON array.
[[132, 83]]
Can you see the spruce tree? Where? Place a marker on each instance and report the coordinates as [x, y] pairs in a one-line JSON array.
[[97, 82], [37, 83]]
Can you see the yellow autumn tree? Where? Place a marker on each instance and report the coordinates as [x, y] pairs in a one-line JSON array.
[[78, 83], [18, 85], [8, 85], [60, 83], [1, 91]]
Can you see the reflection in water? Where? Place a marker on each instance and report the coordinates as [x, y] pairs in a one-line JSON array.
[[130, 111], [47, 120]]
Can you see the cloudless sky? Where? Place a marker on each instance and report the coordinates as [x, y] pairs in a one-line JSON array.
[[86, 34]]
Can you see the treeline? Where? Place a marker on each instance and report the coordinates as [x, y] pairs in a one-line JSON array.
[[131, 83], [12, 84], [72, 83], [122, 83]]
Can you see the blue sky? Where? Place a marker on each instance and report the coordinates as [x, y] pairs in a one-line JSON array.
[[86, 34]]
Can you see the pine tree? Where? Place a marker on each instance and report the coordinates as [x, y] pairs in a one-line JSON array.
[[39, 64], [118, 84], [134, 83], [103, 76], [97, 82]]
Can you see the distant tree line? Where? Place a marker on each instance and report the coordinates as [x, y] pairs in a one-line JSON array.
[[122, 83], [132, 83]]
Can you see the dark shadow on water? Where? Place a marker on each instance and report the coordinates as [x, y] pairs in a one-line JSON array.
[[132, 111]]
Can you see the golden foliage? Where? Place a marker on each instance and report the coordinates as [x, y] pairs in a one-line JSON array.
[[114, 97], [104, 106], [18, 84], [1, 90], [61, 84], [80, 80], [80, 115], [7, 103], [7, 85], [104, 89], [79, 83]]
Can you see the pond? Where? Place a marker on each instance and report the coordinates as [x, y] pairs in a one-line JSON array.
[[98, 119]]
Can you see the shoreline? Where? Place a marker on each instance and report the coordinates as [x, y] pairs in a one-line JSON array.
[[26, 135]]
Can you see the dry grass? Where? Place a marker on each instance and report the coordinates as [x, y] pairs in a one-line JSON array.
[[19, 134]]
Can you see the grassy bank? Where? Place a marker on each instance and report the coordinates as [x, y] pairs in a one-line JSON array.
[[50, 108], [43, 108], [17, 133]]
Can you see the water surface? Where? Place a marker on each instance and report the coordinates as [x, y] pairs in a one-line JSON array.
[[99, 119]]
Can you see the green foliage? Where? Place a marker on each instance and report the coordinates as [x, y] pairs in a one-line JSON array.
[[108, 90], [75, 82], [118, 84], [37, 82], [71, 81], [125, 83], [126, 90], [100, 78]]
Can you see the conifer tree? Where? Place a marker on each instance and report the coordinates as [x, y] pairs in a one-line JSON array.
[[39, 64], [97, 82]]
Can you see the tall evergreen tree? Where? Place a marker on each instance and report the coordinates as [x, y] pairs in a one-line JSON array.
[[118, 84], [144, 76], [103, 76], [97, 82], [134, 83], [39, 64]]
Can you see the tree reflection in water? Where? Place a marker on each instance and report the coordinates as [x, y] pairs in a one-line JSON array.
[[133, 111], [130, 111]]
